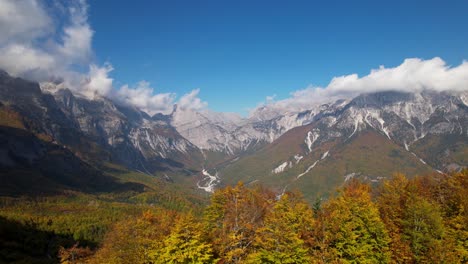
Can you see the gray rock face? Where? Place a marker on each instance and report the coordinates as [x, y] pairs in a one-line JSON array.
[[137, 140], [402, 117], [232, 134], [129, 136], [134, 137]]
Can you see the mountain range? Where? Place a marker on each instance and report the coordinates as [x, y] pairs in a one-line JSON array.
[[61, 138]]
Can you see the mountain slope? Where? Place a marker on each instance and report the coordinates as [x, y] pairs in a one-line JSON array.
[[371, 136], [230, 134], [29, 165], [134, 138], [98, 129]]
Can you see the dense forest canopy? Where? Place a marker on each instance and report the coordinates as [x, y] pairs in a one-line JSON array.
[[418, 220]]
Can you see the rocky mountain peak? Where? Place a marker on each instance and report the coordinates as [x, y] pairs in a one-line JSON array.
[[381, 99]]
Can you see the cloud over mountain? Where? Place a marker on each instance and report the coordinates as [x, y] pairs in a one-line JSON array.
[[143, 97], [52, 41], [35, 45], [412, 75], [22, 20], [191, 101]]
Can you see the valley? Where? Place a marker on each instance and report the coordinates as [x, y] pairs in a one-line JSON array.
[[91, 163], [232, 132], [371, 136]]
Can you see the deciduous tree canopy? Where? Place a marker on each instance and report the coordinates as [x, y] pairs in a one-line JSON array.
[[418, 220]]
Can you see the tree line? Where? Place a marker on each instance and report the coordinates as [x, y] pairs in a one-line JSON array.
[[418, 220]]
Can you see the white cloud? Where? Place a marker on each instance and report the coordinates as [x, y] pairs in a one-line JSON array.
[[191, 101], [78, 35], [142, 97], [34, 45], [412, 75], [270, 99], [98, 81], [40, 46], [22, 20], [22, 60]]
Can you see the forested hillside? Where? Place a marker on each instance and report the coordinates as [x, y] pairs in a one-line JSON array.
[[418, 220]]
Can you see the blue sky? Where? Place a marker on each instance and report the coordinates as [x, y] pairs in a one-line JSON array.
[[152, 54], [239, 52]]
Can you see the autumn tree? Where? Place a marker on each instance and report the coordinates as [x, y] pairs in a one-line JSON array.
[[446, 194], [185, 244], [391, 201], [352, 229], [286, 234], [452, 197], [133, 240], [74, 254], [232, 219], [419, 214], [423, 229], [418, 220]]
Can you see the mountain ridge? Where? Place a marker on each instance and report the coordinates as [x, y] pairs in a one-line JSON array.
[[402, 120], [189, 145]]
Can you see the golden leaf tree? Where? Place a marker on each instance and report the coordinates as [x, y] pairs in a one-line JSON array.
[[185, 244], [286, 232], [352, 231], [232, 219]]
